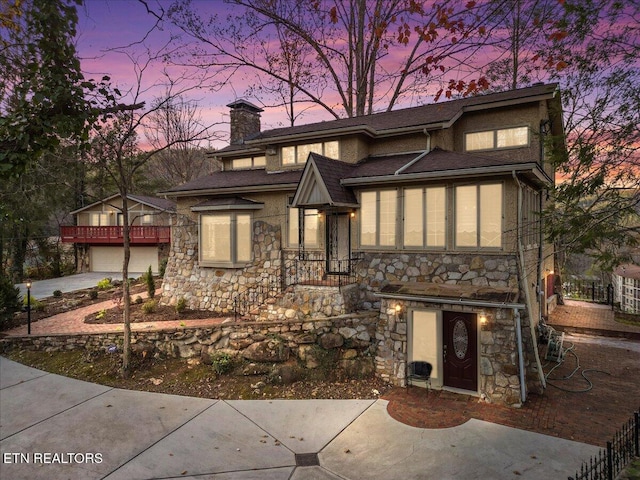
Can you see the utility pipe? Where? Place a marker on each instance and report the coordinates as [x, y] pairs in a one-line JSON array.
[[523, 386]]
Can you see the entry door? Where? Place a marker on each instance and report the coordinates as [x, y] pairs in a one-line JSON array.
[[459, 350], [338, 242]]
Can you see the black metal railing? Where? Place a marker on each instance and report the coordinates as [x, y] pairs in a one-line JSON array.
[[589, 290], [619, 452], [249, 298], [314, 269]]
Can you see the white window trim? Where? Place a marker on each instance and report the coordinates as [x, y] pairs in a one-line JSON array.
[[495, 139], [234, 263]]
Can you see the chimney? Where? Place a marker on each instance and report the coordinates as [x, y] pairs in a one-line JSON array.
[[245, 121]]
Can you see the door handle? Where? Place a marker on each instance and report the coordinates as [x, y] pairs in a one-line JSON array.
[[444, 353]]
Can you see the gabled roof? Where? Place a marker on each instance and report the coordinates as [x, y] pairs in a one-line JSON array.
[[628, 270], [320, 183], [435, 115], [153, 202]]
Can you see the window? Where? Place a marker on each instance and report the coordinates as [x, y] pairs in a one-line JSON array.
[[424, 217], [493, 139], [146, 219], [479, 216], [298, 154], [310, 232], [248, 162], [530, 233], [378, 218], [225, 238], [99, 220]]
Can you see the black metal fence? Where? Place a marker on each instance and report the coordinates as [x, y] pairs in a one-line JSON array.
[[589, 290], [249, 298], [618, 454], [314, 269]]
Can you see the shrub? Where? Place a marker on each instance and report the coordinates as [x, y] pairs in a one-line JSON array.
[[151, 284], [163, 267], [9, 299], [57, 293], [149, 306], [36, 305], [181, 306], [101, 314], [221, 362], [93, 294], [138, 300], [104, 284]]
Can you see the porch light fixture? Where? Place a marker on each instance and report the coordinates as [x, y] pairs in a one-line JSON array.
[[28, 285], [399, 313], [353, 214], [484, 320]]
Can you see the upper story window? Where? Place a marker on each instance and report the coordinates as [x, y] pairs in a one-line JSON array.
[[225, 239], [495, 139], [99, 219], [297, 154], [425, 220], [478, 213], [378, 213], [248, 162]]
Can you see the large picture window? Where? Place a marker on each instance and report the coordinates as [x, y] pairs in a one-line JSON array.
[[478, 216], [298, 154], [424, 217], [225, 238], [378, 216], [499, 138]]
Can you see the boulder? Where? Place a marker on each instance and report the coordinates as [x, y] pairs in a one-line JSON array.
[[266, 351]]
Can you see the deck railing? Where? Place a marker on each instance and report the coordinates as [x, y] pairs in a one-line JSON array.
[[113, 235]]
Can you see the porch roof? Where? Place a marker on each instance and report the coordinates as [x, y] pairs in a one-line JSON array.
[[320, 183], [492, 297]]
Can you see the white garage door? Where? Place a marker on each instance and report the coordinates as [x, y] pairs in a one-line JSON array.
[[109, 259]]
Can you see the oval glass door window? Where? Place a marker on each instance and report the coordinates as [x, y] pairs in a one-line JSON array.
[[460, 339]]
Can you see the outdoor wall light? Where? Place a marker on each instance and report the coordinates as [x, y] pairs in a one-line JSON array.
[[353, 214], [399, 312], [484, 320]]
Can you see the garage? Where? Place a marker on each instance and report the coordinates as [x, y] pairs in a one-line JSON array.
[[109, 259]]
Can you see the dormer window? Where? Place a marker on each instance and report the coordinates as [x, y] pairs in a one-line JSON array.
[[297, 154], [248, 163], [496, 139]]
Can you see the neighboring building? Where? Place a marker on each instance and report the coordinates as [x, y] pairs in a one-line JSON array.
[[99, 239], [626, 288], [428, 214]]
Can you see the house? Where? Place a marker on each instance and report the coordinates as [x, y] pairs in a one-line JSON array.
[[428, 215], [97, 234], [626, 287]]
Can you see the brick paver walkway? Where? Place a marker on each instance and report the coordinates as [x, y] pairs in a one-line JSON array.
[[72, 322], [591, 416]]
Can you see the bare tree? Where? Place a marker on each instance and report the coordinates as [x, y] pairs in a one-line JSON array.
[[366, 55], [176, 121]]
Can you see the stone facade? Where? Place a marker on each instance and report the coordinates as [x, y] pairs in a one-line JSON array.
[[215, 288], [498, 377]]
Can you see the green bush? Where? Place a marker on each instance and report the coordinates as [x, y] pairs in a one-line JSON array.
[[163, 267], [149, 306], [104, 284], [36, 305], [151, 284], [181, 306], [221, 362], [93, 294], [9, 299], [138, 300], [57, 293], [101, 314]]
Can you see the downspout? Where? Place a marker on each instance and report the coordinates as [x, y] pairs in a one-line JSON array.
[[527, 294], [419, 157], [523, 386]]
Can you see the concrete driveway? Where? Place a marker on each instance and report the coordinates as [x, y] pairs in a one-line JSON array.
[[80, 281], [56, 427]]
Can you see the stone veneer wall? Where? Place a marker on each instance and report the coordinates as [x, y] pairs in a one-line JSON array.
[[498, 381], [209, 288], [351, 338]]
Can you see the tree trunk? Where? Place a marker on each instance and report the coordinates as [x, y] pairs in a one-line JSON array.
[[126, 297]]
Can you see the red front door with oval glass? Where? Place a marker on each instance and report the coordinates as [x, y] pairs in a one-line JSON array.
[[459, 350]]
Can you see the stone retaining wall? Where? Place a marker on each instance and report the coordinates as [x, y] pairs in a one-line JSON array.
[[347, 340]]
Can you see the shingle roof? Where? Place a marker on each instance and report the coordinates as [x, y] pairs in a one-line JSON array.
[[332, 171], [159, 203], [238, 178], [410, 117]]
